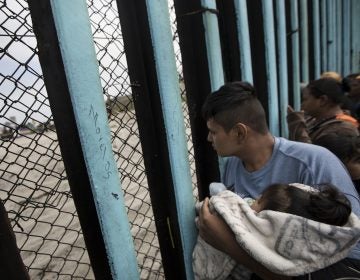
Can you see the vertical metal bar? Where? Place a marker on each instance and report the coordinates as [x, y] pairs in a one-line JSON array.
[[355, 44], [244, 40], [304, 41], [145, 90], [81, 68], [282, 58], [331, 40], [317, 38], [323, 33], [339, 35], [295, 53], [271, 71], [346, 37], [68, 135], [171, 105], [213, 46], [197, 83]]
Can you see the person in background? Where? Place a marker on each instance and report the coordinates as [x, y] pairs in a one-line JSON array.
[[347, 149], [321, 113], [255, 159], [331, 75], [351, 85]]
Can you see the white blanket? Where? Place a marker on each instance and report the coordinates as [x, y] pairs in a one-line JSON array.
[[285, 244]]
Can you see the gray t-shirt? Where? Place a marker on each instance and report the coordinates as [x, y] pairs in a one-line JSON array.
[[293, 162]]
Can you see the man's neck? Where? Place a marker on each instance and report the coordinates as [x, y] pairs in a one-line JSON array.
[[258, 152]]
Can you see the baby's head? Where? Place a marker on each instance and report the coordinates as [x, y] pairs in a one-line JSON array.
[[326, 205]]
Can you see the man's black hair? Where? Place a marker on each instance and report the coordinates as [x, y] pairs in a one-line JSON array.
[[233, 103]]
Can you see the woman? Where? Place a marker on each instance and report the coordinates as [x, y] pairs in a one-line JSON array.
[[322, 113]]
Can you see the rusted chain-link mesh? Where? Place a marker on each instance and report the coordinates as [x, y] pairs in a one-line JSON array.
[[33, 181]]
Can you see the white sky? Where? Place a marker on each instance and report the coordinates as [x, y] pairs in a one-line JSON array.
[[19, 64]]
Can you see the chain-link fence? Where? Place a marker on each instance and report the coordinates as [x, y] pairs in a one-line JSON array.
[[33, 181]]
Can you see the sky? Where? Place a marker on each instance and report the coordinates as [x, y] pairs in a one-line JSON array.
[[22, 91], [20, 71]]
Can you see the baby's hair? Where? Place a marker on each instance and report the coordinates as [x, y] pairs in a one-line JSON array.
[[327, 205]]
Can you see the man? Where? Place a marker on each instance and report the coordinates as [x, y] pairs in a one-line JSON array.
[[238, 130]]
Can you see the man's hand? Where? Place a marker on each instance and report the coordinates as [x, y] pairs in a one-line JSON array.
[[214, 230], [217, 233]]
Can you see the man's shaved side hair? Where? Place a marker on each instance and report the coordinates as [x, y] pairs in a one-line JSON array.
[[234, 103]]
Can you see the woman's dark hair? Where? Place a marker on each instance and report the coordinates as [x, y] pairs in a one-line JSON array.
[[346, 81], [233, 103], [327, 205], [329, 87], [345, 147]]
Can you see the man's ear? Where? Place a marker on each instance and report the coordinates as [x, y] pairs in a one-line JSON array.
[[241, 131]]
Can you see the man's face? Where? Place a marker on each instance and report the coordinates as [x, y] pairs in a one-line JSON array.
[[224, 143]]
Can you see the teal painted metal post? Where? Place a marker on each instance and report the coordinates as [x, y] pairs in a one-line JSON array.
[[355, 34], [295, 53], [316, 38], [339, 35], [161, 37], [81, 68], [244, 40], [282, 58], [213, 46], [331, 40], [271, 71], [304, 41], [323, 30], [346, 37]]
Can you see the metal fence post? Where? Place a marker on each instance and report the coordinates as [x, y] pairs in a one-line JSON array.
[[346, 29], [143, 73], [244, 40], [168, 82], [198, 86], [304, 31], [78, 68], [282, 58], [295, 53], [271, 71], [339, 35], [323, 34], [331, 40], [64, 119], [316, 38], [355, 37]]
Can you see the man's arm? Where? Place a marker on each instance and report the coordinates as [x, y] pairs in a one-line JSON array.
[[217, 233]]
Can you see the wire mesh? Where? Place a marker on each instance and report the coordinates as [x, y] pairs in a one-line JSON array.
[[33, 181]]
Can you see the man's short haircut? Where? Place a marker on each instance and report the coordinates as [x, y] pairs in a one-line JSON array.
[[233, 103]]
